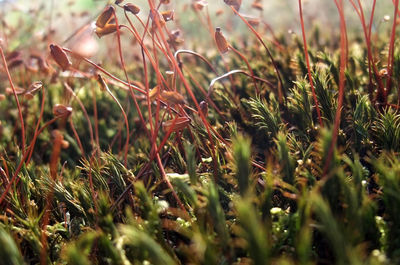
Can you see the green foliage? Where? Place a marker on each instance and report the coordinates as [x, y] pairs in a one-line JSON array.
[[247, 175], [387, 130], [241, 153], [9, 252]]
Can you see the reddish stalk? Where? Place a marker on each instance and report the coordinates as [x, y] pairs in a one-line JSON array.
[[342, 79], [210, 87], [190, 92], [35, 135], [184, 81], [390, 63], [126, 124], [78, 140], [280, 92], [25, 156], [92, 191], [127, 80], [134, 32], [21, 119], [371, 61], [133, 96], [179, 52], [371, 19], [248, 67], [398, 11], [96, 119], [84, 114], [54, 160], [162, 171], [308, 65], [101, 69], [209, 100]]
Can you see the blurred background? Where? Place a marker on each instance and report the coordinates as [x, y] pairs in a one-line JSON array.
[[34, 24]]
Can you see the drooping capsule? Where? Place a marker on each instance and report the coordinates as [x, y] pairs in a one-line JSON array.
[[105, 16], [60, 57], [204, 108], [172, 97], [220, 40], [134, 9], [107, 29], [178, 124], [61, 110]]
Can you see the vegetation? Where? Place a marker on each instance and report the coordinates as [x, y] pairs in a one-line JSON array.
[[265, 149]]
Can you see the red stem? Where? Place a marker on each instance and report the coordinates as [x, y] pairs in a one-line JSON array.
[[308, 66], [21, 119], [391, 53], [280, 94], [342, 79]]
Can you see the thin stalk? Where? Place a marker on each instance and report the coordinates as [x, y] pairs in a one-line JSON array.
[[126, 124], [390, 63], [280, 87], [101, 69], [35, 135], [371, 61], [84, 114], [127, 80], [248, 66], [21, 119], [96, 119], [25, 156], [78, 140], [308, 65], [342, 79]]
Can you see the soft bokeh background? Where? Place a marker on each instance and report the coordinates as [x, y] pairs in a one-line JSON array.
[[41, 22]]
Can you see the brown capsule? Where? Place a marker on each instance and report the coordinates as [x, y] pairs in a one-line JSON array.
[[222, 44], [172, 97], [60, 57], [28, 95], [204, 108], [107, 29], [168, 15], [105, 16], [30, 92], [35, 86], [15, 63], [174, 38], [2, 97], [117, 2], [156, 16], [154, 92], [102, 82], [61, 110], [134, 9], [178, 124], [235, 3], [13, 55], [18, 91], [165, 2]]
